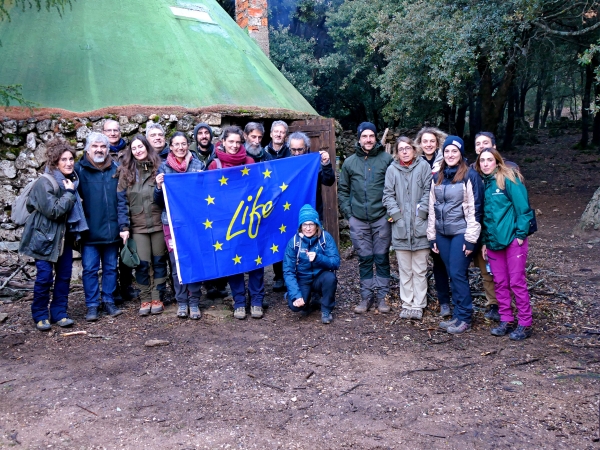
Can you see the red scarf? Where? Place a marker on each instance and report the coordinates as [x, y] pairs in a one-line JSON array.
[[177, 166], [228, 160], [406, 164]]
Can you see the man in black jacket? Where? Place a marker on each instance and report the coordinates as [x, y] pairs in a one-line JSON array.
[[202, 146], [98, 190]]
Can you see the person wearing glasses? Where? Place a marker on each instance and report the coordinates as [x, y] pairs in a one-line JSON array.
[[155, 134], [299, 144], [406, 198], [112, 130]]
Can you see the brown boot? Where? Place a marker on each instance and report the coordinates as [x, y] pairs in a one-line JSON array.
[[362, 307], [383, 307]]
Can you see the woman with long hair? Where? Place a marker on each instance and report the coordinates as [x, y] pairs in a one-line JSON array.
[[506, 221], [455, 209], [139, 219]]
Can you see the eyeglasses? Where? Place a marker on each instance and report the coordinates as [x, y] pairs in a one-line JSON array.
[[405, 149], [309, 225], [179, 145], [113, 131], [298, 150]]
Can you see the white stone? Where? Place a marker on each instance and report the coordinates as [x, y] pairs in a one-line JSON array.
[[21, 161], [8, 169], [82, 133], [123, 120], [31, 142]]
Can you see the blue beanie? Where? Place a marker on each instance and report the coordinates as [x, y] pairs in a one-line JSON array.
[[455, 140], [366, 126], [308, 214]]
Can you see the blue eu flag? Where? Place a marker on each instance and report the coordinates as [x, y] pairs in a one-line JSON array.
[[234, 220]]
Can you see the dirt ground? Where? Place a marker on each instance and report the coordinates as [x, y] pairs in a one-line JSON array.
[[367, 382]]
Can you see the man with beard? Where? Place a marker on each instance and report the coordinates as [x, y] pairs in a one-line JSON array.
[[100, 244], [155, 134], [112, 130], [202, 146], [253, 134]]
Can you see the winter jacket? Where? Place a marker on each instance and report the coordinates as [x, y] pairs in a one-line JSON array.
[[263, 156], [98, 191], [116, 151], [299, 270], [136, 208], [44, 232], [207, 157], [164, 152], [406, 198], [360, 188], [284, 151], [456, 208], [506, 213], [326, 178], [195, 165], [434, 163]]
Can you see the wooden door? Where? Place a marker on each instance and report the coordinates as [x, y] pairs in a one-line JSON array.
[[322, 137]]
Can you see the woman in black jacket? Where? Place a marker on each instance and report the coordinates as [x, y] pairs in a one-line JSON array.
[[55, 222]]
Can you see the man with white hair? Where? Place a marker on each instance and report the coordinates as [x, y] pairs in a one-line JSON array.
[[155, 134], [100, 244]]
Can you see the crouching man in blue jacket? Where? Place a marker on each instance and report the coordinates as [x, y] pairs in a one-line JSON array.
[[311, 259]]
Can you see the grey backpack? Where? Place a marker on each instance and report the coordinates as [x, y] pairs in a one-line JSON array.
[[19, 212]]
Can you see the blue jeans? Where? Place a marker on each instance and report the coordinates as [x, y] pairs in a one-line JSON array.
[[325, 284], [91, 257], [256, 286], [457, 265], [43, 282], [440, 275]]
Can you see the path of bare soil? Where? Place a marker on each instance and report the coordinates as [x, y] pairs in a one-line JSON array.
[[367, 382]]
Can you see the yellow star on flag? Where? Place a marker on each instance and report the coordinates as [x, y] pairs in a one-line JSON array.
[[223, 180], [258, 261], [286, 207], [282, 228], [237, 260], [275, 248], [218, 246], [245, 171], [210, 200], [283, 187], [207, 224], [267, 173]]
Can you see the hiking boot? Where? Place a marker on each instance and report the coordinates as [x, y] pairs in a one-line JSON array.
[[520, 333], [92, 314], [43, 325], [445, 310], [363, 306], [416, 314], [383, 307], [448, 323], [459, 328], [278, 286], [65, 322], [240, 313], [502, 329], [405, 313], [195, 313], [326, 317], [493, 314], [145, 309], [256, 312], [182, 310], [156, 307], [112, 310]]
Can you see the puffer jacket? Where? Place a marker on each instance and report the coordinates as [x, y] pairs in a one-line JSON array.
[[44, 232], [136, 208], [360, 188], [406, 198], [299, 270], [195, 165], [506, 213], [434, 163], [456, 208]]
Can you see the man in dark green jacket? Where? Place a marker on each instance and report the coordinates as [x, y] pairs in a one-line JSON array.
[[360, 193]]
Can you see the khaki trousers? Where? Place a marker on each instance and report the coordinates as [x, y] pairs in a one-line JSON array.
[[488, 280], [412, 266]]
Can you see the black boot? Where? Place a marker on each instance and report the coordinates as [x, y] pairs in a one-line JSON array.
[[502, 329], [112, 310], [92, 314]]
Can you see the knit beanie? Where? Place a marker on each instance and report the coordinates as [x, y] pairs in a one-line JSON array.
[[455, 140], [308, 214], [366, 126]]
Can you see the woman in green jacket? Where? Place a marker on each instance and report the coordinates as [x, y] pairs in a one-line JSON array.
[[506, 221]]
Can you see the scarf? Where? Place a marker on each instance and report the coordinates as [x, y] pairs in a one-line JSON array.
[[76, 219], [228, 160], [177, 166], [406, 164], [120, 146]]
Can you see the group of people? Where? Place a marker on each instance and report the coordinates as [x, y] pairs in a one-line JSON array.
[[422, 199], [425, 199]]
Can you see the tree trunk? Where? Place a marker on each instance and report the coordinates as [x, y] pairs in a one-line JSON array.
[[585, 106], [509, 131], [596, 132], [538, 106], [461, 115], [547, 109], [492, 103]]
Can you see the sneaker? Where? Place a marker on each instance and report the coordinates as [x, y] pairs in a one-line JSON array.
[[502, 329], [43, 325], [182, 311], [240, 313], [520, 333], [326, 317], [256, 312], [405, 313], [448, 323], [459, 328], [445, 310], [416, 314], [145, 309], [65, 322], [92, 314], [156, 307], [492, 314], [278, 286], [112, 310], [195, 313]]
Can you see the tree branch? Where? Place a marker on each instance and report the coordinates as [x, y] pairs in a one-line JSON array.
[[567, 33]]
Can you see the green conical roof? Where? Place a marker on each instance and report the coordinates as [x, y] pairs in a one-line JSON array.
[[139, 52]]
